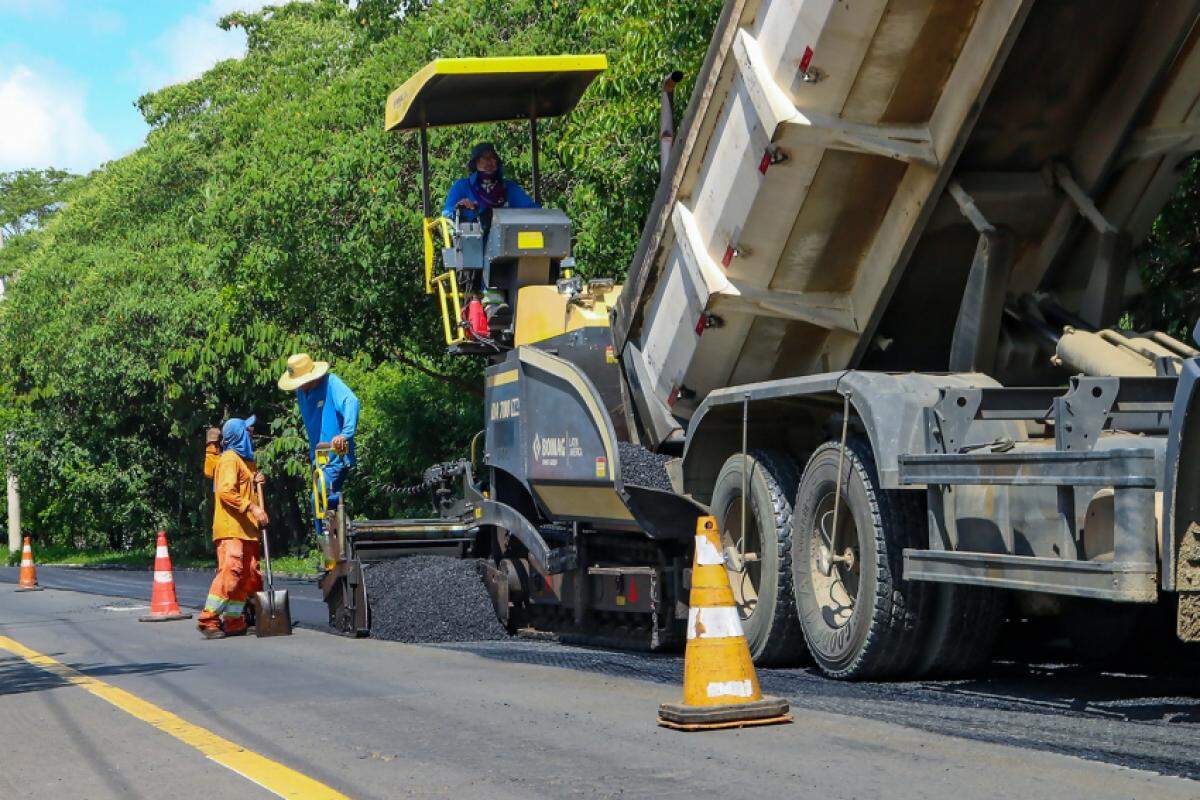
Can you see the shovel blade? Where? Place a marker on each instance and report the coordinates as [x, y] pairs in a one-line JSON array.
[[272, 614]]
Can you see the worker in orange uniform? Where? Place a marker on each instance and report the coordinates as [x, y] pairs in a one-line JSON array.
[[237, 520], [212, 454], [212, 451]]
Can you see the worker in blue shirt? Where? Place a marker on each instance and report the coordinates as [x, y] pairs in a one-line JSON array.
[[330, 413], [484, 189]]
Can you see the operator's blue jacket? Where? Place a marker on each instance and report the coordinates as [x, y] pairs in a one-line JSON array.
[[464, 188]]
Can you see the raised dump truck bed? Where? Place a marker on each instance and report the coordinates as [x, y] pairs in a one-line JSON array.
[[806, 224]]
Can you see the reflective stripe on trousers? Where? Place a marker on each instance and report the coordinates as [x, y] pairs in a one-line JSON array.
[[236, 580]]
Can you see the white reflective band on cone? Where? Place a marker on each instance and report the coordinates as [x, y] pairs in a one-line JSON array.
[[740, 688], [163, 577], [160, 551], [713, 623], [26, 562], [706, 554]]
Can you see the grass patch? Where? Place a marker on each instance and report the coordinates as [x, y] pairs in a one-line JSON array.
[[143, 558], [54, 555], [50, 555], [309, 564]]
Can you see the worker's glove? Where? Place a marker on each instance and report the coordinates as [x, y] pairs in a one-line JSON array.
[[465, 203], [212, 436]]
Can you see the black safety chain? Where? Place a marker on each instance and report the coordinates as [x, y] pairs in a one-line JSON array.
[[432, 477]]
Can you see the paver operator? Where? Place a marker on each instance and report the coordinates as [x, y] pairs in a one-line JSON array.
[[330, 413], [237, 520], [484, 188]]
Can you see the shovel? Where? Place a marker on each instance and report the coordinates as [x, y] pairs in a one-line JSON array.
[[272, 612]]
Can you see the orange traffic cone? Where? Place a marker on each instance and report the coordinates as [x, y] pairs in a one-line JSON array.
[[720, 688], [28, 578], [163, 605]]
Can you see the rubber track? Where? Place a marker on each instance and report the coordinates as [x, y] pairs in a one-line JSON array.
[[785, 643], [896, 636]]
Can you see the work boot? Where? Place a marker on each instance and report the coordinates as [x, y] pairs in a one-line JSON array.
[[212, 633]]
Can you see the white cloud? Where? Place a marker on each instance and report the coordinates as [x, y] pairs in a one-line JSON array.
[[44, 123], [193, 44]]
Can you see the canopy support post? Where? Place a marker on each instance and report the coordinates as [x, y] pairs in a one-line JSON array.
[[533, 142], [424, 173]]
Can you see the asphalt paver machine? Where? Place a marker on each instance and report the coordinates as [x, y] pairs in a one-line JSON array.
[[570, 544]]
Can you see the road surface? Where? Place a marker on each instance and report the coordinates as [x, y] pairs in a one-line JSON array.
[[527, 719]]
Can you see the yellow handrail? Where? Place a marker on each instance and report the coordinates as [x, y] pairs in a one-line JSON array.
[[320, 490], [427, 228], [447, 286]]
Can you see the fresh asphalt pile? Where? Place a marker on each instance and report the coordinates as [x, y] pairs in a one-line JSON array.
[[641, 467], [426, 599]]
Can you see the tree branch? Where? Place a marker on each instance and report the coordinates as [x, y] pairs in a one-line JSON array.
[[450, 379]]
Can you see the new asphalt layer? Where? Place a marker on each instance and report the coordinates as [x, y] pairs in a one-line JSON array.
[[517, 717]]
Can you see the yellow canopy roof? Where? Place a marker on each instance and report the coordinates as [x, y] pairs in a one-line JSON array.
[[462, 91]]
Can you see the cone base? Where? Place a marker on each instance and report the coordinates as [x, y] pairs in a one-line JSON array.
[[165, 617], [768, 711], [30, 588]]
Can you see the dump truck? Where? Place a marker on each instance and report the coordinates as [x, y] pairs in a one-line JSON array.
[[873, 325]]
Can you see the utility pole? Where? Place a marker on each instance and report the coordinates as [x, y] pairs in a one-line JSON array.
[[14, 485], [14, 512]]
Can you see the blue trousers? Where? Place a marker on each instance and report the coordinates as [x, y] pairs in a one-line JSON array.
[[335, 477]]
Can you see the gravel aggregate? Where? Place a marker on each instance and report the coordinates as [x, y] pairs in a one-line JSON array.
[[431, 599], [641, 467]]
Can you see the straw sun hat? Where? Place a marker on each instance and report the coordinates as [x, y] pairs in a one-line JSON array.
[[301, 369]]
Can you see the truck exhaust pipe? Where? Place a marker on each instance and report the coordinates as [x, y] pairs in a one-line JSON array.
[[666, 121]]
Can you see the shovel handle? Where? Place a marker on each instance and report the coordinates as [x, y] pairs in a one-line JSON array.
[[266, 546]]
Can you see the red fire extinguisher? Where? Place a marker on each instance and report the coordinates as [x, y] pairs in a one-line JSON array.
[[477, 323]]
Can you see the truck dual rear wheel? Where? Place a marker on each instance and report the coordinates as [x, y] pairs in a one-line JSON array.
[[861, 620], [759, 560]]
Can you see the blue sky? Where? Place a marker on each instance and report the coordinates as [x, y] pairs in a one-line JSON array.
[[70, 71]]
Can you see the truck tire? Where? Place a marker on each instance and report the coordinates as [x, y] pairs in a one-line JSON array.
[[762, 589], [861, 620], [963, 630]]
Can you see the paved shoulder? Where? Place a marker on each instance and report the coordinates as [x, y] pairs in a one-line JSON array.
[[385, 720]]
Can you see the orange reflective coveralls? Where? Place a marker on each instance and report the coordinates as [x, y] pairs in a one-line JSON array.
[[236, 535]]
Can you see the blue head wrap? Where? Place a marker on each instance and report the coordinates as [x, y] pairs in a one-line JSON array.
[[235, 436]]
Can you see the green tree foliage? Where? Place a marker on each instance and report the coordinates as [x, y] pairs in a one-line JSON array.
[[28, 198], [268, 212], [1170, 264]]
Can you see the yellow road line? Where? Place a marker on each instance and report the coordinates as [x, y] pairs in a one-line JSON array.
[[271, 775]]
